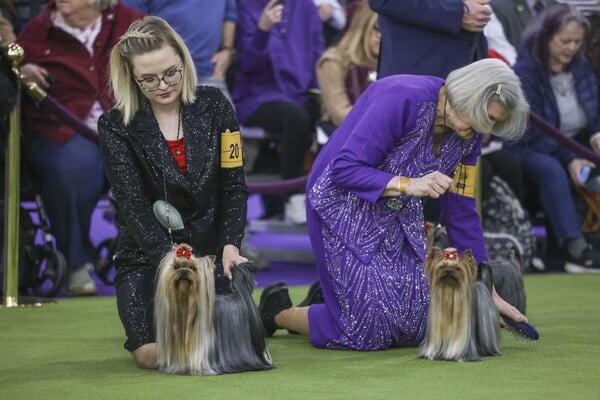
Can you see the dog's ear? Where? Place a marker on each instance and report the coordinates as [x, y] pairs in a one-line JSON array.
[[469, 262], [434, 256], [429, 234]]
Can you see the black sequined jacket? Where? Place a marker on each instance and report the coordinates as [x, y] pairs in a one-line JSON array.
[[212, 200]]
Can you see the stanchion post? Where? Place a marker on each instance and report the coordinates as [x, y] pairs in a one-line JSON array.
[[12, 187], [12, 184]]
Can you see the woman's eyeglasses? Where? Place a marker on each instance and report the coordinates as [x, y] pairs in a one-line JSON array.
[[152, 82]]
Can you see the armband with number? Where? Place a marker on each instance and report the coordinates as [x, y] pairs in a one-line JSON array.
[[231, 150]]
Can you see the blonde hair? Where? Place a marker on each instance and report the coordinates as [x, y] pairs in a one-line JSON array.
[[355, 43], [471, 88], [143, 36]]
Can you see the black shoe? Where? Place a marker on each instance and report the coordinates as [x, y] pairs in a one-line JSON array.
[[273, 300], [269, 289], [314, 296], [589, 261]]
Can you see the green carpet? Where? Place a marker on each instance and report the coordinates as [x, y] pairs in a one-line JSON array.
[[72, 349]]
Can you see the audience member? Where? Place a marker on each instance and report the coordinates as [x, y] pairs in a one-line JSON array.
[[561, 87], [405, 138], [430, 37], [66, 53], [208, 28], [344, 71], [162, 142], [278, 47]]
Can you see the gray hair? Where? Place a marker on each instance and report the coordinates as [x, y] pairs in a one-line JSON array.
[[471, 88], [103, 4]]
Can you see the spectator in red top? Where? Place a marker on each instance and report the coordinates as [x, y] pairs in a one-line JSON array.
[[66, 52]]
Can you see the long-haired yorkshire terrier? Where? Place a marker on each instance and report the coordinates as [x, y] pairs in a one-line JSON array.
[[463, 321], [200, 331]]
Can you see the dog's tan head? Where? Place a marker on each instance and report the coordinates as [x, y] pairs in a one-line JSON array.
[[182, 274], [446, 268]]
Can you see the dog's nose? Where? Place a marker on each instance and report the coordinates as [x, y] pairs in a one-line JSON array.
[[183, 273]]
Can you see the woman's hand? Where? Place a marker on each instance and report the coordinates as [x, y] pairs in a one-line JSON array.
[[271, 15], [506, 309], [433, 185], [35, 73], [231, 258], [477, 16], [221, 60], [574, 169]]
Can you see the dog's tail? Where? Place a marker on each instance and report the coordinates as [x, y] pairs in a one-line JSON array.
[[240, 344]]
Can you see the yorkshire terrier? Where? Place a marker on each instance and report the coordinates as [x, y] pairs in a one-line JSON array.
[[463, 321], [200, 331]]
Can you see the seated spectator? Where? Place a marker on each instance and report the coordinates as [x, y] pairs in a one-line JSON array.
[[66, 53], [278, 47], [561, 87], [347, 69]]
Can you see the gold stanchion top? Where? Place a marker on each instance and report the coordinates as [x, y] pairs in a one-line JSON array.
[[15, 54]]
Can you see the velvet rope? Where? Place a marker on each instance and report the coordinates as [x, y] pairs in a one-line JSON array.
[[65, 115], [555, 134], [287, 185]]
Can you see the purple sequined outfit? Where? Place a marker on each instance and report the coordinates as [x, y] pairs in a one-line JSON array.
[[370, 250]]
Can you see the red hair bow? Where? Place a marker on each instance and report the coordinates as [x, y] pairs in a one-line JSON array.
[[450, 254], [183, 252]]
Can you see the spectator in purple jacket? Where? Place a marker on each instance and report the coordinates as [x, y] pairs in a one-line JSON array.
[[278, 47]]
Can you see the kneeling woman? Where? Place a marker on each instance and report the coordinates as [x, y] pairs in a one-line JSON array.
[[407, 137], [162, 143]]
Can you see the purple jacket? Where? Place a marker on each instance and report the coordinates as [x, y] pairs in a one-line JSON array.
[[389, 132], [279, 64]]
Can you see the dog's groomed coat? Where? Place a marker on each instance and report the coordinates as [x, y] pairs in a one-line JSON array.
[[199, 331]]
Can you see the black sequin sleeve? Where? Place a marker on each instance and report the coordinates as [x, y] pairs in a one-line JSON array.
[[126, 182]]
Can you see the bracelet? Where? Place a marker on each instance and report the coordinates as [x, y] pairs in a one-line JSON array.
[[402, 185], [230, 49]]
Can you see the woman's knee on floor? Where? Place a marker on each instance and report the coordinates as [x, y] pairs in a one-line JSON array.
[[145, 356]]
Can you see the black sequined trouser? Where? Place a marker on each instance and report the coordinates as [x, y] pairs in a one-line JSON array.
[[135, 302]]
